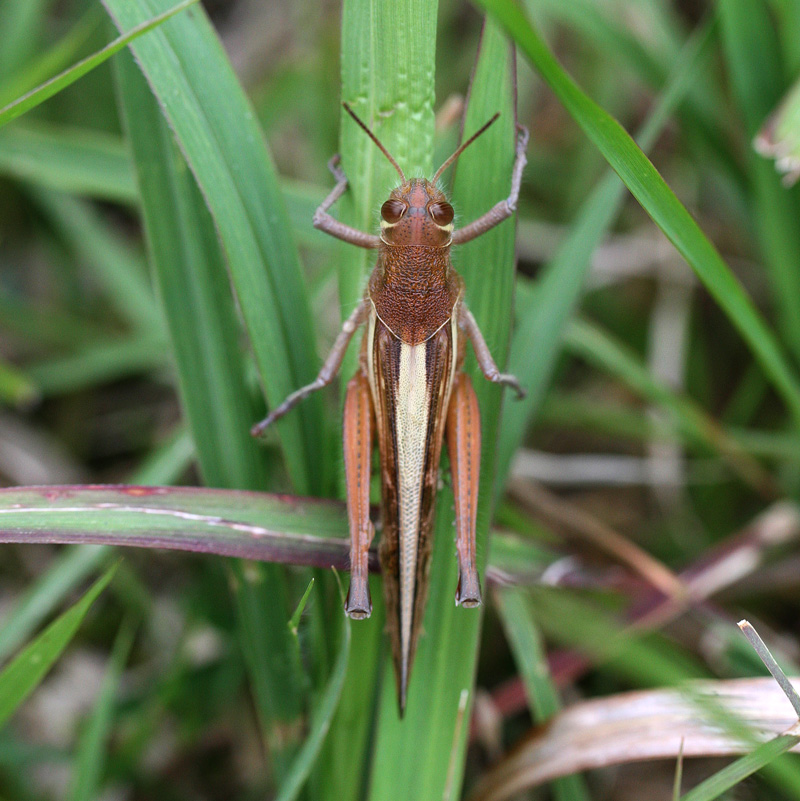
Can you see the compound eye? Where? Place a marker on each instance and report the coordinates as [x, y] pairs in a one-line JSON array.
[[392, 210], [441, 213]]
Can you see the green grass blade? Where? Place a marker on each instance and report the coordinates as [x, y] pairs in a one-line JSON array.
[[600, 349], [320, 722], [73, 565], [216, 131], [531, 660], [98, 363], [24, 673], [658, 200], [372, 35], [753, 56], [542, 321], [16, 388], [20, 26], [69, 568], [72, 160], [118, 269], [204, 330], [737, 771], [64, 79], [54, 59], [195, 296], [417, 752], [94, 741]]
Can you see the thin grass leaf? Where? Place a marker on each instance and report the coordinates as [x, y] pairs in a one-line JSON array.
[[658, 200], [99, 363], [652, 58], [294, 620], [93, 745], [531, 660], [74, 565], [56, 58], [226, 522], [119, 269], [67, 571], [754, 61], [72, 160], [194, 291], [321, 719], [21, 676], [204, 329], [68, 77], [215, 128], [16, 388], [600, 349], [20, 27], [397, 104], [739, 770], [559, 287]]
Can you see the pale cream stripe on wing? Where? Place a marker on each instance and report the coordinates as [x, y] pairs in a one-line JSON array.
[[413, 406]]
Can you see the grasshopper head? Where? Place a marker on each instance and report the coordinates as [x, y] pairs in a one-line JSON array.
[[417, 213]]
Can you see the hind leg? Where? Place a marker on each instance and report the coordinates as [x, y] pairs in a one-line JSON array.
[[358, 433], [464, 447]]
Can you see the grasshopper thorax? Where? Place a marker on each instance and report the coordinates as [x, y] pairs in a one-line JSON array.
[[417, 214]]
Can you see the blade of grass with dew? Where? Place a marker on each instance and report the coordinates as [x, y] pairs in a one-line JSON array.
[[397, 105], [24, 673], [541, 320], [214, 125], [118, 268], [93, 744], [44, 92], [658, 200], [72, 160], [531, 661], [195, 295], [415, 753], [753, 56]]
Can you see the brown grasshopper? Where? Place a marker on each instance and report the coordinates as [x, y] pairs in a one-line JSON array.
[[410, 388]]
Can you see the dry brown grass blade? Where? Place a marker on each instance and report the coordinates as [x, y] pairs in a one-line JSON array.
[[638, 726]]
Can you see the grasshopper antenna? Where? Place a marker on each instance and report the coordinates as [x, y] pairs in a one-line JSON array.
[[462, 148], [376, 140]]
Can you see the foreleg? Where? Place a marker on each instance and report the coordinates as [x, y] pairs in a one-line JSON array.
[[326, 374], [505, 208], [331, 225]]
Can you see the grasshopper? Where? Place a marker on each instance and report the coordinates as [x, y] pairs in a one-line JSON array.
[[409, 389]]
